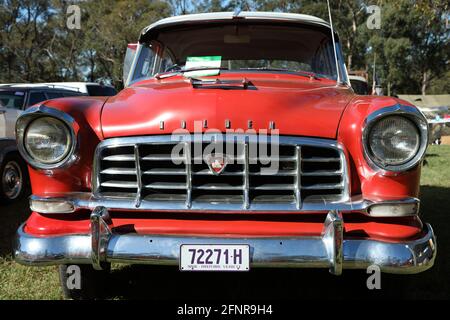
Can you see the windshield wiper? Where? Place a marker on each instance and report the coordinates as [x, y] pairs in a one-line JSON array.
[[220, 84], [169, 74], [311, 75]]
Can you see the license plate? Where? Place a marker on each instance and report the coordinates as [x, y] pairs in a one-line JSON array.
[[214, 257]]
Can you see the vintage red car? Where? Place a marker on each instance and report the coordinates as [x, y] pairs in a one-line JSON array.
[[237, 143]]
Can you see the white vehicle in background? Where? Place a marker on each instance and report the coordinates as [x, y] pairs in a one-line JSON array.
[[436, 109], [359, 84], [437, 121], [88, 88], [14, 99]]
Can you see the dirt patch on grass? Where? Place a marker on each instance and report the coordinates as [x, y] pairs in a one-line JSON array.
[[446, 140]]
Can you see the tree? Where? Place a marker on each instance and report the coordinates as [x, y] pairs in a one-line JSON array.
[[411, 48], [105, 39]]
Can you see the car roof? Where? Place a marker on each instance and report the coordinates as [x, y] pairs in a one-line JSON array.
[[28, 86], [80, 87], [357, 78], [229, 16], [77, 86]]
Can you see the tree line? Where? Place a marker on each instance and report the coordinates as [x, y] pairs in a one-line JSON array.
[[406, 42]]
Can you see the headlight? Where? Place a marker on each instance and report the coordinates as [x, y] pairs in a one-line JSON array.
[[47, 140], [47, 137], [395, 139]]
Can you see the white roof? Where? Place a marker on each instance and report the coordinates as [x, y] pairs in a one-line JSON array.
[[358, 78], [55, 85], [76, 86], [73, 86], [250, 15]]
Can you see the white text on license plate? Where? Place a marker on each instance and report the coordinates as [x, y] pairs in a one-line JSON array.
[[214, 257]]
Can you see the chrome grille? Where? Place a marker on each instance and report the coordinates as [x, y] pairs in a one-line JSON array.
[[142, 169]]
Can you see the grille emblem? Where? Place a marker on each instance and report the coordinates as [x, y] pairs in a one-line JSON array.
[[217, 162]]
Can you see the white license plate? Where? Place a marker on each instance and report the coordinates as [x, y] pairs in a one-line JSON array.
[[214, 257]]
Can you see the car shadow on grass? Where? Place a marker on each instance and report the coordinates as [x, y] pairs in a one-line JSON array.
[[163, 283], [11, 217], [167, 283]]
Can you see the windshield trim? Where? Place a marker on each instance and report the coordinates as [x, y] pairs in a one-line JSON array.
[[341, 74], [151, 31]]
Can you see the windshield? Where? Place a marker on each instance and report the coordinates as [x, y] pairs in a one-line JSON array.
[[253, 47], [12, 99]]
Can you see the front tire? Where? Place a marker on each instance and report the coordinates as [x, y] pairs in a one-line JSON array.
[[83, 282], [14, 179]]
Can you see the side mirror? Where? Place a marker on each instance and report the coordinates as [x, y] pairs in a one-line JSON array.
[[128, 61]]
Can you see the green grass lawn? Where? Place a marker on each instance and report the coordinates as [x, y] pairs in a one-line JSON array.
[[19, 282], [436, 172]]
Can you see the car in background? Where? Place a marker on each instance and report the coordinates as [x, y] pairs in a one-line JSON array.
[[89, 88], [437, 120], [436, 108], [359, 84], [14, 99]]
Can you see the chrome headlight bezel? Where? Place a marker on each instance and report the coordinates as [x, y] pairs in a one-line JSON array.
[[32, 114], [412, 114]]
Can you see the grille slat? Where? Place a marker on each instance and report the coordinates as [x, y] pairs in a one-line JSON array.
[[322, 173], [161, 157], [323, 187], [267, 159], [289, 187], [119, 184], [119, 157], [144, 170], [124, 171], [166, 186], [175, 172], [213, 186], [316, 159], [279, 173]]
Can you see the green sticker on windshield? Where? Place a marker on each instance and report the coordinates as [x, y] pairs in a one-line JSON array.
[[207, 62]]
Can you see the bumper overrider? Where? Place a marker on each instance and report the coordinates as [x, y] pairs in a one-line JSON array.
[[330, 250]]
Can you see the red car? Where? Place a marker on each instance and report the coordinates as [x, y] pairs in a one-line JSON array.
[[237, 143]]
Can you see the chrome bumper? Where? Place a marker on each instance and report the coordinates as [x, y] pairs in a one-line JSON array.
[[330, 250]]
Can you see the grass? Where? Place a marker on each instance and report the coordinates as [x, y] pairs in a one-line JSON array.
[[20, 282], [436, 171]]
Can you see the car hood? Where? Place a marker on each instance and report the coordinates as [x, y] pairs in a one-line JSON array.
[[297, 107]]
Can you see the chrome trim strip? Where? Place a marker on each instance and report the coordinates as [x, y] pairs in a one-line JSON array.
[[406, 257], [187, 151], [137, 160], [298, 177], [130, 77], [413, 114], [246, 177], [85, 200]]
